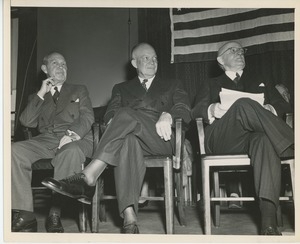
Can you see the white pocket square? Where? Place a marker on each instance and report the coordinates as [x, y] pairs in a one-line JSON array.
[[261, 85], [76, 101]]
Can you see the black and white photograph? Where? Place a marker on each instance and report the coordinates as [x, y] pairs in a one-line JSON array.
[[150, 122]]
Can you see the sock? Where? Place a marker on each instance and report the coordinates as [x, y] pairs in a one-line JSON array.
[[56, 205], [268, 213]]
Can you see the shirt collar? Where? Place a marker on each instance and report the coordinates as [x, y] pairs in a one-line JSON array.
[[53, 91], [232, 74], [149, 82]]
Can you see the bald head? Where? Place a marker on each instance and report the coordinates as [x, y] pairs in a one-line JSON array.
[[231, 56], [137, 49], [144, 59]]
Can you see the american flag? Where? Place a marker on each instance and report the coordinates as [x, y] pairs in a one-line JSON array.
[[197, 34]]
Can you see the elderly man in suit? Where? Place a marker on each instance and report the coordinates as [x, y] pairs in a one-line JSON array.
[[248, 127], [64, 123], [140, 117]]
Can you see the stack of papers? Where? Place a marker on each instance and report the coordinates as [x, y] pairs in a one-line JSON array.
[[228, 97]]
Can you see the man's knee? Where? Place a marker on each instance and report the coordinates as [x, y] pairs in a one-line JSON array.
[[244, 102], [123, 112], [70, 148]]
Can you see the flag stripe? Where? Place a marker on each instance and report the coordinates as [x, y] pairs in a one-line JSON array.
[[235, 26], [200, 32], [195, 57], [224, 16], [246, 42], [235, 34]]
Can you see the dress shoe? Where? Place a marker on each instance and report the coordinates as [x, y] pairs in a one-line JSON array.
[[130, 229], [270, 230], [53, 224], [21, 224], [73, 186]]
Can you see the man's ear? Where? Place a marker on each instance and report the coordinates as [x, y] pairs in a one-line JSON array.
[[133, 62], [44, 69], [220, 60]]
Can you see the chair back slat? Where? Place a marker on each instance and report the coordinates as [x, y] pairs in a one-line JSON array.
[[178, 145], [200, 128]]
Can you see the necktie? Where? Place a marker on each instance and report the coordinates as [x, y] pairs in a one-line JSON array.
[[237, 78], [55, 95], [144, 84]]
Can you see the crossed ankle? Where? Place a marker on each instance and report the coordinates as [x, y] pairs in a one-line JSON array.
[[88, 181]]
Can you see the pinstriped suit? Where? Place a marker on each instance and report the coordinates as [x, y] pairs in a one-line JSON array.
[[132, 133], [248, 128], [74, 112]]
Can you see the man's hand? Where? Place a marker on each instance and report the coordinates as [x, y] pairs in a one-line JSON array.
[[163, 126], [217, 111], [46, 87], [72, 136]]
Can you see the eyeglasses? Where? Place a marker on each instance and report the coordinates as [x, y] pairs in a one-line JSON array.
[[234, 50], [147, 59]]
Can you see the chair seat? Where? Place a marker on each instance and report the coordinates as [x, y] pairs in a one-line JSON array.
[[42, 164]]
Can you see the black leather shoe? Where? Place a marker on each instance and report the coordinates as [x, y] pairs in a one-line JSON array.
[[73, 186], [21, 224], [130, 229], [53, 224], [271, 231]]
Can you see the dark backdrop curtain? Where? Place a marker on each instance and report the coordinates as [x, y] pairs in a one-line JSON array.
[[26, 67], [154, 28]]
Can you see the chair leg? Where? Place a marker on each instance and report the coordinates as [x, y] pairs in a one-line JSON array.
[[82, 214], [82, 218], [102, 211], [279, 217], [216, 194], [169, 199], [95, 208], [206, 197], [180, 198], [292, 170]]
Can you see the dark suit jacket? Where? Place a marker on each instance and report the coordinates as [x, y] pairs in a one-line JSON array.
[[164, 95], [73, 111], [249, 82]]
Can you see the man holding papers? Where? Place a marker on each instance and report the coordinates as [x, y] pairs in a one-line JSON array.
[[246, 125]]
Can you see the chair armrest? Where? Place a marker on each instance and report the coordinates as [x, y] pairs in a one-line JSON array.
[[30, 132], [98, 130], [27, 133], [96, 134], [179, 137], [289, 119], [200, 128]]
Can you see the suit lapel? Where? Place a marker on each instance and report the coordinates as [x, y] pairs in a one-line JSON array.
[[64, 97]]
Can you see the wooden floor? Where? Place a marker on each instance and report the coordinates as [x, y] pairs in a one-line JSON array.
[[151, 219]]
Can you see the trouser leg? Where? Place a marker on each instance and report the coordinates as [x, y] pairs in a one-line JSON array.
[[245, 126], [130, 174], [69, 159], [129, 137], [23, 154], [266, 167]]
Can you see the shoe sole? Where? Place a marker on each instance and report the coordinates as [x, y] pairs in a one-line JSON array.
[[82, 199], [28, 228]]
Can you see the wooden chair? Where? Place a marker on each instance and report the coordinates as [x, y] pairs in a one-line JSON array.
[[232, 163], [171, 166]]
